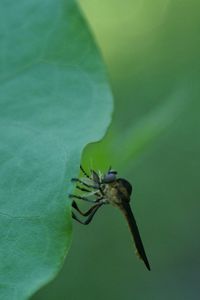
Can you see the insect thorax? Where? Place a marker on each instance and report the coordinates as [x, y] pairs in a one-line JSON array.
[[117, 192]]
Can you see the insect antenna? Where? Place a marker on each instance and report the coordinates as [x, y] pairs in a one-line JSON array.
[[84, 172]]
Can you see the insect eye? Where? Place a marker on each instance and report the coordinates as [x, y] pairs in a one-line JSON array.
[[109, 177]]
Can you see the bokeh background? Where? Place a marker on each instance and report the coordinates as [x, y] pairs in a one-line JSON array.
[[151, 49]]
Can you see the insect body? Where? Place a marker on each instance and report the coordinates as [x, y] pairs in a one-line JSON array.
[[108, 189]]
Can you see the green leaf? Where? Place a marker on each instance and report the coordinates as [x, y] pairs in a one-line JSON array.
[[54, 99]]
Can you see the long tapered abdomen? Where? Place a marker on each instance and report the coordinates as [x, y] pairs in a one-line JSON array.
[[126, 209]]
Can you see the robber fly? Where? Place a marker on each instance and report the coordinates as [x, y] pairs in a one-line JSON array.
[[103, 189]]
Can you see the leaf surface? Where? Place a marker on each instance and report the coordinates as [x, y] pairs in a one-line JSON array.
[[54, 99]]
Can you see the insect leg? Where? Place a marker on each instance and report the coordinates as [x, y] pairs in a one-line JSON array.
[[93, 210], [84, 172], [94, 176], [85, 214], [82, 182], [83, 189], [81, 198]]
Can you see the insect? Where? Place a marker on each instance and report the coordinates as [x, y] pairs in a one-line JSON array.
[[101, 189]]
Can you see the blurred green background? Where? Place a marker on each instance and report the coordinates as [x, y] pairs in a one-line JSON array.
[[151, 49]]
